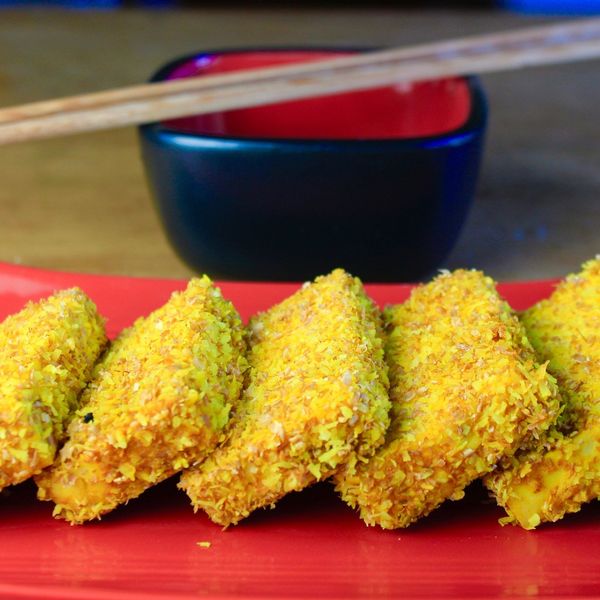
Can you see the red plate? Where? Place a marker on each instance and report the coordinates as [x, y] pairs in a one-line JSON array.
[[310, 545]]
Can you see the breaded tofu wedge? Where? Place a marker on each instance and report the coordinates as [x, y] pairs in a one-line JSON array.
[[158, 402], [316, 397], [563, 471], [47, 353], [466, 390]]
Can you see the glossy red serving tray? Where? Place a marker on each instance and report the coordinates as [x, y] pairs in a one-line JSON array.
[[311, 545]]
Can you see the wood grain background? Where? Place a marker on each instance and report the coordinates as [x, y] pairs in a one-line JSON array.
[[81, 203]]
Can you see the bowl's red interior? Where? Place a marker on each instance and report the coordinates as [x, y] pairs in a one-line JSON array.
[[398, 111]]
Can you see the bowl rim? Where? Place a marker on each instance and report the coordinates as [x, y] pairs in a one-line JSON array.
[[474, 123]]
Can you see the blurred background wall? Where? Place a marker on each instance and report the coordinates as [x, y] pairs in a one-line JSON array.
[[528, 6]]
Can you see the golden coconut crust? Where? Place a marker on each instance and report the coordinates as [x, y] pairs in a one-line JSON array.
[[158, 402], [316, 397], [563, 471], [465, 390], [47, 353]]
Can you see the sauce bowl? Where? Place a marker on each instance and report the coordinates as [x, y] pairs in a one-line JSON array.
[[378, 181]]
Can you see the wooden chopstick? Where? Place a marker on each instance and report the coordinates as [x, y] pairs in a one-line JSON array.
[[548, 44]]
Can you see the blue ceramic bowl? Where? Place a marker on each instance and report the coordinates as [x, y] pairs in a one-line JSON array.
[[378, 182]]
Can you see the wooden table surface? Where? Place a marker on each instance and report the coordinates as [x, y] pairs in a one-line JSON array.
[[81, 203]]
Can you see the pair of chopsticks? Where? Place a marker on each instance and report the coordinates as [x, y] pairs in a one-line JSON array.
[[548, 44]]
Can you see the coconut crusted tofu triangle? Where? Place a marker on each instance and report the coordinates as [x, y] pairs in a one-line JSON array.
[[466, 390], [563, 471], [47, 353], [316, 397], [158, 402]]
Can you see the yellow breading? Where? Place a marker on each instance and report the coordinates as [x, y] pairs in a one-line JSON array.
[[47, 352], [158, 403], [465, 389], [563, 472], [316, 397]]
